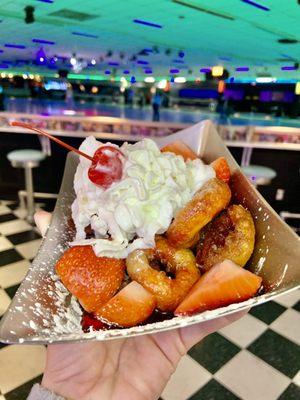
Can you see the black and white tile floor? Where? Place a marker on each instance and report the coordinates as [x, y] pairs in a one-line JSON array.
[[256, 358]]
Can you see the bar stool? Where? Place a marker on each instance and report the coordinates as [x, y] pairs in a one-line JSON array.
[[258, 175], [27, 159]]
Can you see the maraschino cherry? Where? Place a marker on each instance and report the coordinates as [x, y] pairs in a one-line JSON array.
[[106, 165]]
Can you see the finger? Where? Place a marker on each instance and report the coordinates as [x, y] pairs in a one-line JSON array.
[[193, 334], [42, 220]]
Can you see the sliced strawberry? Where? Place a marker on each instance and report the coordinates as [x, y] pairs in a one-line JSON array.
[[223, 284], [222, 169], [181, 149], [131, 306], [93, 280]]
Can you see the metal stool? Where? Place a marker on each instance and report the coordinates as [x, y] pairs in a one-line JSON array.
[[259, 175], [27, 159]]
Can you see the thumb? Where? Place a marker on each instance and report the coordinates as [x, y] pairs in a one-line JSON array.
[[194, 333]]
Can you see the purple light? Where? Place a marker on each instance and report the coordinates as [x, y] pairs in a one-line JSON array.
[[126, 72], [242, 69], [289, 68], [257, 5], [42, 41], [174, 71], [1, 51], [181, 54], [3, 66], [148, 71], [225, 58], [84, 34], [46, 1], [147, 23], [142, 62], [107, 72], [205, 70], [113, 63], [15, 46]]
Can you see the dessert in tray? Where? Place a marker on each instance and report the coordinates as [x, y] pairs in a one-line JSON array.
[[156, 235]]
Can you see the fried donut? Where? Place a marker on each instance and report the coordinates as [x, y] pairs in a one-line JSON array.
[[230, 236], [167, 291], [212, 198]]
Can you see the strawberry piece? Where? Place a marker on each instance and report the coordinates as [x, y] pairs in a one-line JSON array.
[[181, 149], [93, 280], [131, 306], [223, 284], [222, 169], [88, 322]]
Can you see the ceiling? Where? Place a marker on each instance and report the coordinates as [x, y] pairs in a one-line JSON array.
[[232, 33]]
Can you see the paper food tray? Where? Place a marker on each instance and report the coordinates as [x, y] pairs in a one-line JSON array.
[[43, 311]]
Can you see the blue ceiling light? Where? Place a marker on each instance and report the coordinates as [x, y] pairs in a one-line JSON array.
[[174, 71], [178, 61], [107, 72], [142, 62], [15, 46], [1, 51], [84, 34], [147, 23], [46, 1], [132, 79], [242, 69], [126, 72], [181, 54], [289, 68], [231, 80], [205, 70], [148, 71], [42, 41], [3, 66], [257, 5], [113, 63]]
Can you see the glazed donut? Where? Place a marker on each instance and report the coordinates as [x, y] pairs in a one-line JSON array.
[[212, 198], [230, 236], [169, 292]]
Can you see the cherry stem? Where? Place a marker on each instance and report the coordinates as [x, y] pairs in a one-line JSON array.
[[55, 139]]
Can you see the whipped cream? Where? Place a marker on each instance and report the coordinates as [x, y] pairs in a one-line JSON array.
[[128, 215]]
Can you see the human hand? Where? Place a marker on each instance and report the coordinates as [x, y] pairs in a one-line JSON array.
[[135, 368]]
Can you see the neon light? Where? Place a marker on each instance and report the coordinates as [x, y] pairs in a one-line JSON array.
[[257, 5], [43, 41], [205, 70], [147, 23], [289, 68], [174, 71], [89, 35], [15, 46], [242, 69]]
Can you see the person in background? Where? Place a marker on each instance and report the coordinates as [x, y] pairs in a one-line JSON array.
[[156, 103], [135, 368]]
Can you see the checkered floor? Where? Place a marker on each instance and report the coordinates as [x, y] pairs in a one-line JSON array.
[[256, 358]]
